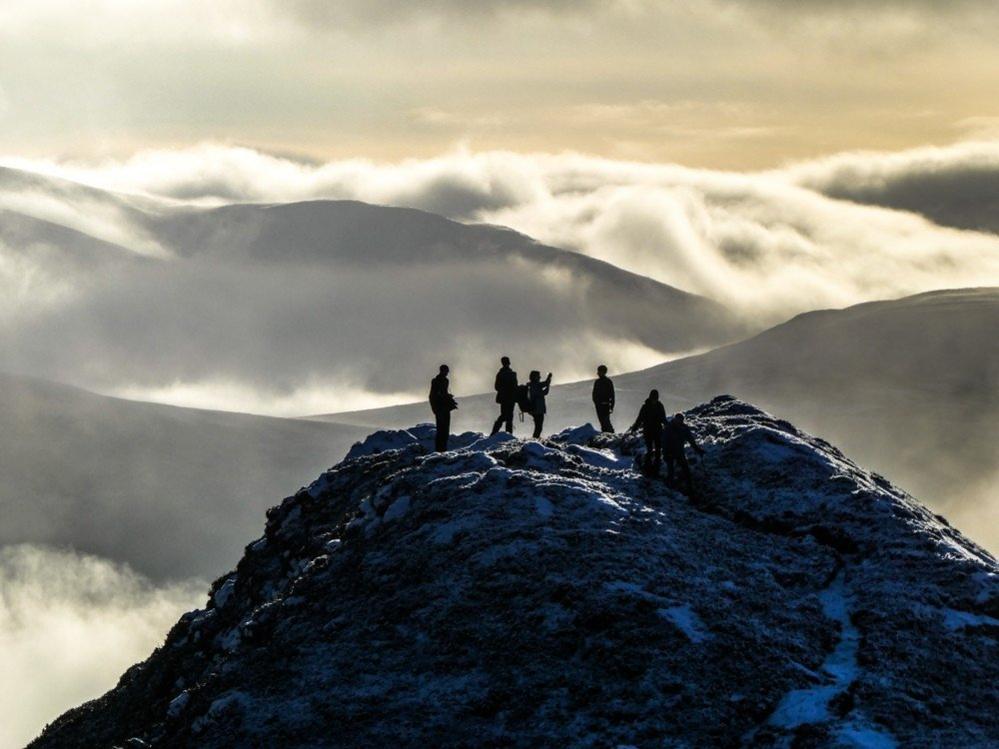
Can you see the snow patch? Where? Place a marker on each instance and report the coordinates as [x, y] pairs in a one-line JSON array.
[[224, 594], [687, 621], [804, 706], [599, 458], [178, 703], [861, 736], [397, 509], [580, 435], [954, 619], [543, 507]]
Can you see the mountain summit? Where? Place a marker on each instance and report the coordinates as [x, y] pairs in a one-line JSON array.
[[522, 593]]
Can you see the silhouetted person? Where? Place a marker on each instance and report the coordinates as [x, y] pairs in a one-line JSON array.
[[537, 389], [652, 419], [675, 438], [603, 398], [506, 395], [442, 403]]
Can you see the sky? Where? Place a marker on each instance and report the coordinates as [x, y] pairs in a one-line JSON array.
[[729, 84]]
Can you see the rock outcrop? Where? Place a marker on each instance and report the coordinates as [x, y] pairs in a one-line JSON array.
[[514, 593]]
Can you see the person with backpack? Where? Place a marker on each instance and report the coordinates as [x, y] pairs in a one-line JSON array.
[[675, 439], [603, 398], [651, 419], [537, 389], [442, 403], [506, 395]]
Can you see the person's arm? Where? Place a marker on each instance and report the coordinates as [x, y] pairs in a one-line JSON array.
[[546, 386], [611, 385], [596, 386], [498, 383]]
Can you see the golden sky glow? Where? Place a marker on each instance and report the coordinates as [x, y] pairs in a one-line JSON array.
[[712, 83]]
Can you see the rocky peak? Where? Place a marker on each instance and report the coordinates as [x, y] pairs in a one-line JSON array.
[[544, 593]]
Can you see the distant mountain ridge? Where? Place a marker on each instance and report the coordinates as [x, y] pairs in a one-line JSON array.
[[523, 593], [318, 294]]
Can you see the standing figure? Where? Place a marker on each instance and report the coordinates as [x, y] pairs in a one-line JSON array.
[[603, 398], [442, 403], [652, 418], [537, 389], [676, 437], [506, 396]]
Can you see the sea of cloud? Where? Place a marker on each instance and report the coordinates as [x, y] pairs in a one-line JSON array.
[[827, 233], [70, 624]]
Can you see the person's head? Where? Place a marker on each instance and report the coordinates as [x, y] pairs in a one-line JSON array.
[[602, 370], [445, 369], [505, 361], [535, 375], [678, 418], [653, 395]]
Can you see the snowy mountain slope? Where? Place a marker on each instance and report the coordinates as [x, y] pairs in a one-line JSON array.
[[171, 491], [910, 387], [512, 593], [280, 301]]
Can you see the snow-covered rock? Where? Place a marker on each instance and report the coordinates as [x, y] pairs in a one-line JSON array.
[[524, 593]]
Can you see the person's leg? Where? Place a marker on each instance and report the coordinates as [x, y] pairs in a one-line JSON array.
[[603, 416], [658, 445], [539, 422], [499, 421], [685, 469], [507, 415], [443, 431], [670, 477], [650, 449]]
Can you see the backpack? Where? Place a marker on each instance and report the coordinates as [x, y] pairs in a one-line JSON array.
[[524, 399]]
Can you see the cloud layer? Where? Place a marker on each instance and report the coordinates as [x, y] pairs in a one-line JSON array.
[[787, 240], [956, 186], [69, 626], [271, 305], [828, 233]]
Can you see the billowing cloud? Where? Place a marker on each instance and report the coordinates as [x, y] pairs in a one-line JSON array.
[[954, 186], [279, 329], [312, 306], [715, 233], [69, 626]]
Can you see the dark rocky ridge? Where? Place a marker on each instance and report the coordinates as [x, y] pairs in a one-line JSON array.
[[512, 593]]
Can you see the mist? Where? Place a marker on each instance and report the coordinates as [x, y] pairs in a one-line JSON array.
[[826, 233], [70, 624], [310, 307]]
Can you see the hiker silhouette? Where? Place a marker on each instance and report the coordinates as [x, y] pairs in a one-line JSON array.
[[537, 389], [651, 419], [442, 403], [506, 395], [603, 398], [676, 436]]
